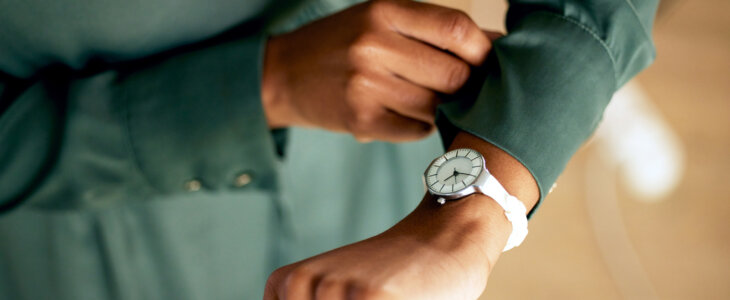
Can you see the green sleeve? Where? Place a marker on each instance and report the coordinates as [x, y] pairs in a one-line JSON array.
[[550, 78], [72, 138]]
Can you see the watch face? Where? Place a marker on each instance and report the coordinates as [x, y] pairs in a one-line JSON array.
[[454, 171]]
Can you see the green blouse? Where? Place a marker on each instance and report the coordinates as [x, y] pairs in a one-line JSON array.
[[135, 159]]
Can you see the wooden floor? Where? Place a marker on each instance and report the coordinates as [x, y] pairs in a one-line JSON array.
[[680, 245]]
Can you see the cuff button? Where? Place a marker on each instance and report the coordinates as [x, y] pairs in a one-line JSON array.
[[242, 180], [193, 185]]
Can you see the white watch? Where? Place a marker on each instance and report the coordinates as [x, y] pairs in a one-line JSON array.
[[460, 173]]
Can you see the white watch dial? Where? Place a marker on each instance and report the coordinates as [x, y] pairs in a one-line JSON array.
[[454, 171]]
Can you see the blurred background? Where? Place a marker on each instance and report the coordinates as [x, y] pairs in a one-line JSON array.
[[643, 210]]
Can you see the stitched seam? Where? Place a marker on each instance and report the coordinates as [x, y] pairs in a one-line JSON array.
[[636, 15], [137, 164], [595, 37]]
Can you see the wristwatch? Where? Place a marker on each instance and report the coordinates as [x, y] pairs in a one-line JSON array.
[[460, 173]]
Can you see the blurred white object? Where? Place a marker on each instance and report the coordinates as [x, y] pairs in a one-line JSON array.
[[637, 145], [636, 138]]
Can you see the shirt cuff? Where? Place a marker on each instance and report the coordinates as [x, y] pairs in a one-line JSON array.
[[547, 84], [198, 118]]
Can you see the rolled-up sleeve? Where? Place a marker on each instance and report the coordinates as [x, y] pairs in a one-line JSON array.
[[550, 78]]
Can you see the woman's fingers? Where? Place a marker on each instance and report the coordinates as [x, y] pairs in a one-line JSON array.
[[402, 97], [442, 27], [386, 125], [424, 65]]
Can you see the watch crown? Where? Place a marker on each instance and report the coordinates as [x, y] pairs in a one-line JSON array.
[[441, 200]]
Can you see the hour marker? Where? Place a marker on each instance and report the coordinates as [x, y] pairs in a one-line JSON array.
[[459, 185]]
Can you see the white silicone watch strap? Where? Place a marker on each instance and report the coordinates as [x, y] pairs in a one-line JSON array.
[[514, 210], [517, 214]]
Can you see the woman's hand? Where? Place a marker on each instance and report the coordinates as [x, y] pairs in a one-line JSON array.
[[437, 252], [373, 70]]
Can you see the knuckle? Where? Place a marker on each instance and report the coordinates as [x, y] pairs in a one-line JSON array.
[[363, 47], [298, 276], [364, 120], [326, 285], [376, 8], [357, 80], [456, 76], [366, 292], [361, 124], [356, 85], [328, 282], [457, 24]]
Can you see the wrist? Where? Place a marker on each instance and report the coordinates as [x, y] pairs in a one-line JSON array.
[[475, 225], [510, 173], [478, 219]]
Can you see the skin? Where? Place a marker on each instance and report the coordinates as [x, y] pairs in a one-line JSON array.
[[436, 252], [374, 72]]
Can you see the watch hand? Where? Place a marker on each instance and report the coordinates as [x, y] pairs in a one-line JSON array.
[[447, 178], [456, 174]]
